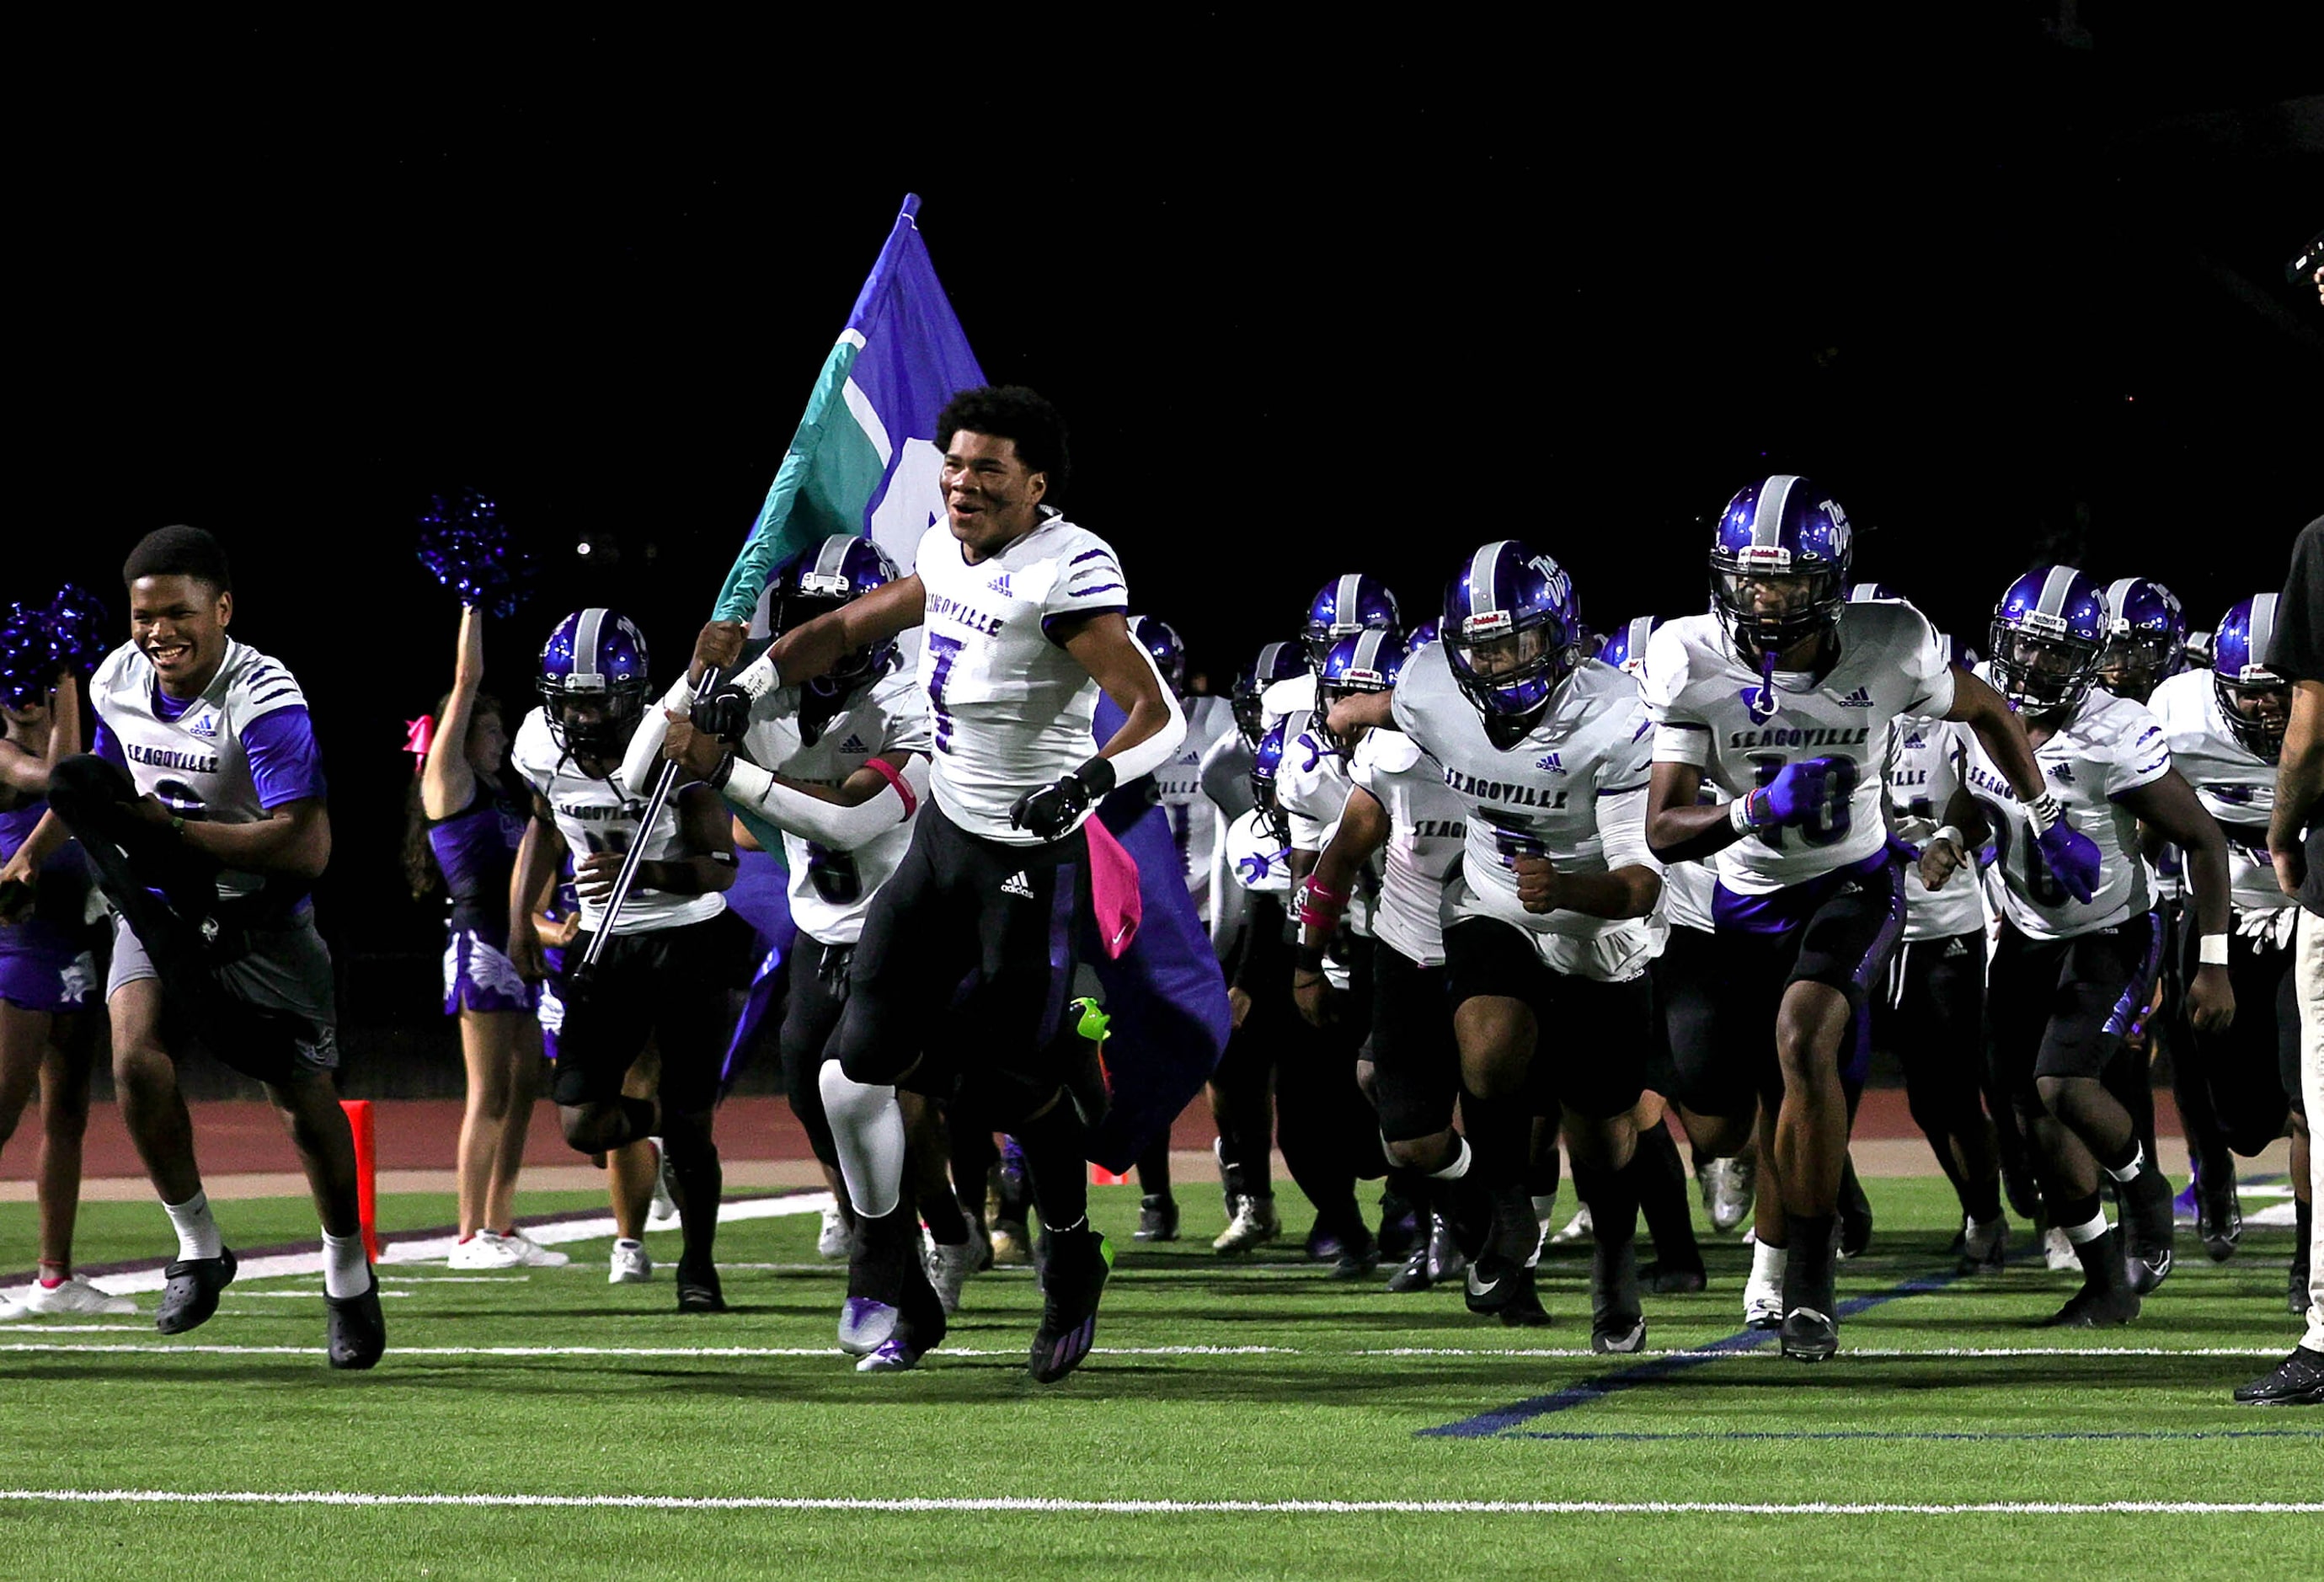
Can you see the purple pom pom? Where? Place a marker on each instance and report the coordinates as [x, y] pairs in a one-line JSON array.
[[28, 657], [77, 625], [466, 545]]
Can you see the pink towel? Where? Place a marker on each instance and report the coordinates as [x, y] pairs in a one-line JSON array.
[[1113, 889]]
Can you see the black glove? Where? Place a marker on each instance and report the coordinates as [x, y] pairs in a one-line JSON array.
[[1050, 811], [725, 714]]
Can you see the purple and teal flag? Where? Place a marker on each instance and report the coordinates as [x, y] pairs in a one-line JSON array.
[[864, 459]]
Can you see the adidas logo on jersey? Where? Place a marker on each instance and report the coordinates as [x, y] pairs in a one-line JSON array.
[[1018, 885], [999, 585], [204, 725], [1549, 761], [1859, 698], [1916, 739], [854, 744], [2062, 773]]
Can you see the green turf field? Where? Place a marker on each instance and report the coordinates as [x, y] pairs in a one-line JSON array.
[[1263, 1382]]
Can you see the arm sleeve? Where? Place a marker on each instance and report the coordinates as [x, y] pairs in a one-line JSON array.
[[2297, 655], [1148, 755], [638, 764], [284, 763], [828, 823], [1623, 826]]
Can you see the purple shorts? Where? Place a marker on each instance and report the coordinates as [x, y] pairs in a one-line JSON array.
[[48, 978], [479, 978]]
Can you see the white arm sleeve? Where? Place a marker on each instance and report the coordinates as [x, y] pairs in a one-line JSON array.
[[1623, 826], [1133, 763], [826, 824], [640, 765]]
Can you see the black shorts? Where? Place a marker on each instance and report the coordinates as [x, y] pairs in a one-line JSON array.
[[2253, 1068], [969, 949], [1838, 929], [1590, 1051], [1682, 1013], [668, 985], [1931, 1009], [1416, 1064], [2060, 1007]]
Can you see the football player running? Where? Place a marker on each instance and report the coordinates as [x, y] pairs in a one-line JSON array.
[[203, 812], [1025, 620], [1787, 696], [2224, 728], [2078, 945], [660, 977]]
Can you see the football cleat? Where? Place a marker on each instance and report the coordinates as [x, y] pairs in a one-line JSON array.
[[1728, 1186], [2218, 1218], [2094, 1308], [1403, 1227], [894, 1354], [1672, 1278], [192, 1295], [1418, 1273], [356, 1329], [632, 1264], [1855, 1212], [1446, 1255], [10, 1307], [1158, 1218], [1079, 1262], [1012, 1242], [1763, 1298], [1358, 1256], [2298, 1381], [1503, 1289], [698, 1290], [74, 1295], [1810, 1336], [1254, 1224], [949, 1269], [864, 1324], [2147, 1250], [1984, 1248], [1618, 1320]]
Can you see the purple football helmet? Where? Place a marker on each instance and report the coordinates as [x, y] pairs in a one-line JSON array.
[[2256, 701], [1344, 606], [1626, 645], [1160, 640], [1510, 629], [1277, 661], [2048, 631], [593, 680], [1266, 763], [1421, 635], [1779, 561], [2146, 637], [816, 581], [1369, 661], [1866, 593]]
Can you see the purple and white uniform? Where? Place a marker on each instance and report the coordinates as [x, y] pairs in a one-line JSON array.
[[47, 964], [476, 850]]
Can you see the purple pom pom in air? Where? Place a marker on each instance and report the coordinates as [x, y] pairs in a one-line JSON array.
[[466, 545]]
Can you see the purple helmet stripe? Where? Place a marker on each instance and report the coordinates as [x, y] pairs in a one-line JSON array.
[[586, 672], [1767, 515], [2054, 589]]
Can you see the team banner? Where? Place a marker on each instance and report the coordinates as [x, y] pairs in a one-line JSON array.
[[864, 459]]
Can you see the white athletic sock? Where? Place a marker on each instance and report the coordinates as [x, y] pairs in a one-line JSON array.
[[2089, 1231], [1460, 1165], [868, 1130], [1767, 1264], [2129, 1172], [346, 1271], [197, 1232]]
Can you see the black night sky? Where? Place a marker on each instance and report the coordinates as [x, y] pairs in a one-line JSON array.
[[2013, 289]]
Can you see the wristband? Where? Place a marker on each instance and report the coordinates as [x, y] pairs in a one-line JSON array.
[[2041, 812], [1097, 777], [1307, 958], [1320, 907], [2211, 950], [717, 778], [1739, 814]]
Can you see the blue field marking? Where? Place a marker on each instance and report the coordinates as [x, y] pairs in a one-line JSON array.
[[1964, 1435], [1501, 1419]]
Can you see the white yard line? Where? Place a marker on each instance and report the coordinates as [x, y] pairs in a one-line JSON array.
[[1179, 1507]]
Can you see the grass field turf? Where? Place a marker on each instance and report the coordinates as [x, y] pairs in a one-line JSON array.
[[1350, 1400]]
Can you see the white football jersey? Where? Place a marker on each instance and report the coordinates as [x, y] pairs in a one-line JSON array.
[[1010, 709], [601, 815], [1195, 822], [831, 891], [1573, 790], [2235, 786], [1311, 786], [1707, 707], [1924, 770], [1260, 862], [196, 764], [1281, 700], [1426, 831], [2109, 746]]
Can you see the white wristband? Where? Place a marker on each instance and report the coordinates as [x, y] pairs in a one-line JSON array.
[[2211, 950], [2042, 811], [1739, 815]]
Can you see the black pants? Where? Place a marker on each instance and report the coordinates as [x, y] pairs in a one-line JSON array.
[[668, 985], [1933, 1016], [2060, 1007], [2252, 1068]]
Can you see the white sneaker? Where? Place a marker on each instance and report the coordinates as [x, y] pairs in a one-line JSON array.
[[76, 1295], [1728, 1186], [484, 1249], [663, 1214], [833, 1241], [632, 1266], [949, 1269], [531, 1255], [1255, 1224], [2058, 1251], [1577, 1229], [10, 1307]]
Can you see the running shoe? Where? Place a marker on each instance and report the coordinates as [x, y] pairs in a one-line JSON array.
[[631, 1265], [1254, 1224], [531, 1255], [74, 1294], [662, 1214], [483, 1250], [1073, 1278], [1158, 1218], [949, 1268]]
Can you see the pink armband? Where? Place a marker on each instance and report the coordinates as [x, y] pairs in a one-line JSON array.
[[1320, 908], [895, 777]]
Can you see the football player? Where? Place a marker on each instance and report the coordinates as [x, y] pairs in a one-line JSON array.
[[1026, 619], [661, 973], [202, 812], [2079, 945], [2225, 729], [1258, 965], [1350, 603], [1786, 696]]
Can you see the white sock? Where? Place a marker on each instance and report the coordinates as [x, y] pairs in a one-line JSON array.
[[868, 1130], [1767, 1264], [1460, 1165], [197, 1232], [2129, 1172], [2089, 1231], [347, 1270]]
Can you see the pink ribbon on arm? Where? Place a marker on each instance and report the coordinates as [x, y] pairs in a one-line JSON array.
[[419, 735], [1113, 890]]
